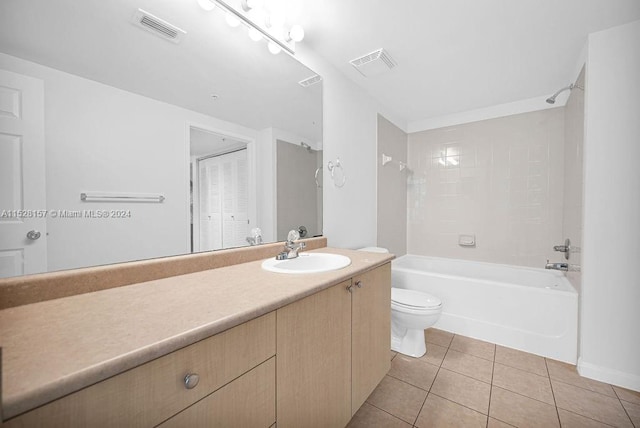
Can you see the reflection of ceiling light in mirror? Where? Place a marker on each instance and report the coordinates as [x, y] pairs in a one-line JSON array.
[[232, 20], [296, 33], [274, 48], [254, 34], [255, 4], [207, 5], [277, 19]]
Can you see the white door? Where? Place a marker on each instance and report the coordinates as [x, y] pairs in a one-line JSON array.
[[23, 222], [223, 194]]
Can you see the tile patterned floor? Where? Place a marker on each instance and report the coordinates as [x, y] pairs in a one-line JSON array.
[[464, 382]]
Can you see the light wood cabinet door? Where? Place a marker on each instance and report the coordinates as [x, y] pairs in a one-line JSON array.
[[313, 376], [370, 332], [247, 402]]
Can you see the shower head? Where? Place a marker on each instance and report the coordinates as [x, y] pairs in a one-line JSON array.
[[306, 146], [552, 98]]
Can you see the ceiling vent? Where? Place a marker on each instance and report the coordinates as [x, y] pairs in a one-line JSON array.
[[310, 81], [374, 63], [157, 26]]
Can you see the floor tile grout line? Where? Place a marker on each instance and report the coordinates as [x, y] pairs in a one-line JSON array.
[[523, 370], [493, 370], [584, 389], [587, 417], [459, 404], [525, 396], [432, 382], [388, 413], [624, 408], [553, 394]]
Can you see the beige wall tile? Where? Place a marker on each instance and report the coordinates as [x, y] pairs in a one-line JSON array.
[[463, 390], [438, 412], [518, 410], [483, 176], [590, 404]]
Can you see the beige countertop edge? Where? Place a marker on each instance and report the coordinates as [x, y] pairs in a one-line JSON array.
[[18, 403]]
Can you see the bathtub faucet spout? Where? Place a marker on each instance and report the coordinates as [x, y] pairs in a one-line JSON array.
[[557, 266]]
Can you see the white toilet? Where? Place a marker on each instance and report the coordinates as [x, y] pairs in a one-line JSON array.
[[411, 313]]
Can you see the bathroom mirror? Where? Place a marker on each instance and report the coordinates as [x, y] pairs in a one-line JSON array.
[[151, 141]]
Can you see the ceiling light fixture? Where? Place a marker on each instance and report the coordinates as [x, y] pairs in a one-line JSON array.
[[263, 21], [207, 5]]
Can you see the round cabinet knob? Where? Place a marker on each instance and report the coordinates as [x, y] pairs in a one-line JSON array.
[[350, 288], [191, 380], [359, 284], [33, 235]]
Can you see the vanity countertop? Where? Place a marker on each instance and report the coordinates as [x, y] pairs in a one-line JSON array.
[[56, 347]]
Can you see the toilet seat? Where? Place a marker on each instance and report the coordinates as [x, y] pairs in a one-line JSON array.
[[411, 300]]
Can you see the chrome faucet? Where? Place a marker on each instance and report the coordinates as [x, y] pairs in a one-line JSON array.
[[256, 236], [291, 248], [557, 266]]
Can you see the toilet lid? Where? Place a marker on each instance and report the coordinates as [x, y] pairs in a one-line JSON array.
[[414, 299]]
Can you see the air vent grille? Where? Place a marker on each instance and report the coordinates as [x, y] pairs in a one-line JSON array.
[[158, 26], [374, 63], [310, 81]]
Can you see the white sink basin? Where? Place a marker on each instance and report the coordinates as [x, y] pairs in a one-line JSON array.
[[307, 263]]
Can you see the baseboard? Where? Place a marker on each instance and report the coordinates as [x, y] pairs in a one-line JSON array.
[[604, 374]]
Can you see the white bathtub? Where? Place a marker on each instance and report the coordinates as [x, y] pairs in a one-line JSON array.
[[534, 310]]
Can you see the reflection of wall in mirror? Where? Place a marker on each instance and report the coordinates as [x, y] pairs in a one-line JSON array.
[[100, 138], [298, 196]]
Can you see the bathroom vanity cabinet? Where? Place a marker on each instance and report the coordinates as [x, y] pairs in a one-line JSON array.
[[333, 350], [231, 363], [312, 360]]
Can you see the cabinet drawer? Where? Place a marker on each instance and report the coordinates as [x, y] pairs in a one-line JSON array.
[[155, 391], [249, 401]]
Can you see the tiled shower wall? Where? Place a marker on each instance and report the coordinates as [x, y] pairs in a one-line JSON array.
[[499, 179]]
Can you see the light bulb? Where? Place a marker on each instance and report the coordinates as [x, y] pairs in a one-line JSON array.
[[277, 18], [255, 4], [207, 5], [296, 33], [232, 20], [254, 34], [274, 48]]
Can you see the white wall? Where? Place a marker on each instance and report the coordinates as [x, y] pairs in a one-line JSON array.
[[349, 133], [99, 138], [610, 342]]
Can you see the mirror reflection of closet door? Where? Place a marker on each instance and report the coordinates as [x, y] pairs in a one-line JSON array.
[[223, 201]]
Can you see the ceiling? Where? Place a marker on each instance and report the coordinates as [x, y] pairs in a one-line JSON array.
[[96, 39], [453, 55], [459, 55]]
